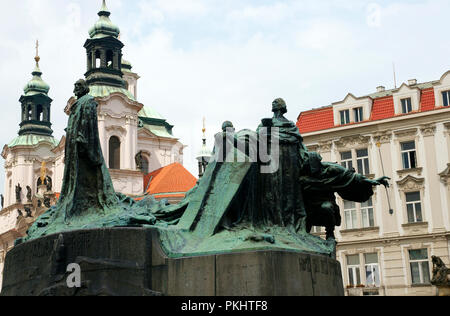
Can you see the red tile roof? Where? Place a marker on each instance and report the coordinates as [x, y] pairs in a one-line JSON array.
[[382, 108], [427, 101], [173, 180], [316, 120]]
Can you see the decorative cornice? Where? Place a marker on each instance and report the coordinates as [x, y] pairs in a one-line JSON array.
[[382, 137], [445, 175], [352, 141], [412, 171], [428, 129], [138, 106], [412, 132], [313, 148], [447, 126], [119, 129], [325, 147], [411, 183]]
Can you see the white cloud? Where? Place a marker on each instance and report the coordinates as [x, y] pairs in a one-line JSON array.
[[263, 13], [212, 58], [180, 7]]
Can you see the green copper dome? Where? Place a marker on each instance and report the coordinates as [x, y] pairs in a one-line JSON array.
[[104, 27], [36, 85], [126, 66]]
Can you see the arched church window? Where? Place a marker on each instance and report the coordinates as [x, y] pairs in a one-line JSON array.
[[145, 165], [114, 153], [39, 112], [97, 59], [109, 59], [29, 112]]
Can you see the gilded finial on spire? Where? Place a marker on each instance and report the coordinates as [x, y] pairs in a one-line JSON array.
[[37, 58], [104, 9], [204, 128]]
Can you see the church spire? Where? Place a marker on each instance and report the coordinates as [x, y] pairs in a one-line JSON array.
[[104, 52], [204, 155], [36, 104], [104, 10], [104, 27]]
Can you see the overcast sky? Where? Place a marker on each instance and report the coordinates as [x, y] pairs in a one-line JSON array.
[[225, 59]]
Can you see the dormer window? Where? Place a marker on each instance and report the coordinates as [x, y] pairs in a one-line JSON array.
[[359, 117], [345, 117], [446, 98], [406, 106]]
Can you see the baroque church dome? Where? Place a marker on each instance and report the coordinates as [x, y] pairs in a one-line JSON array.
[[36, 85], [104, 27]]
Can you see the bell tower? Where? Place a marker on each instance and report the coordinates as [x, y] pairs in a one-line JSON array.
[[104, 52], [36, 104]]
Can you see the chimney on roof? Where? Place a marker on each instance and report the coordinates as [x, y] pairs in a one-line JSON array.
[[412, 82], [381, 89]]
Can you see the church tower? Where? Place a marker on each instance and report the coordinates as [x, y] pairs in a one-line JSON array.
[[36, 105], [104, 52]]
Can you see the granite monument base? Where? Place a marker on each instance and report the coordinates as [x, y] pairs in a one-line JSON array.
[[131, 262]]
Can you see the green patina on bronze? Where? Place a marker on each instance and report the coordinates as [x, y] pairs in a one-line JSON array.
[[234, 207], [88, 199]]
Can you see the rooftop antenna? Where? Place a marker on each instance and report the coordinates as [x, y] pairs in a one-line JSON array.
[[395, 77]]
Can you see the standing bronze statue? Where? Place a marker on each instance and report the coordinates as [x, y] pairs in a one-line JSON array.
[[441, 276], [87, 185], [88, 199]]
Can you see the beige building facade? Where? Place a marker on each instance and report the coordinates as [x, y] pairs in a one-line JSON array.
[[385, 245]]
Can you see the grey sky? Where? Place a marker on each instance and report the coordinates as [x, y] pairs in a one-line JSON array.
[[225, 60]]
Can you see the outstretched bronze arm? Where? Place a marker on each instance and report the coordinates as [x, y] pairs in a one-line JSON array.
[[380, 181]]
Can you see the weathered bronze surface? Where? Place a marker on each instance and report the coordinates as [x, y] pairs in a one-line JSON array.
[[234, 207], [441, 276]]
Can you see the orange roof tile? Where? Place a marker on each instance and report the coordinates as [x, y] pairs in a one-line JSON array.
[[383, 108], [171, 179], [427, 101], [316, 120]]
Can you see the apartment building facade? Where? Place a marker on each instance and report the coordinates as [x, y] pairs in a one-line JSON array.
[[385, 245]]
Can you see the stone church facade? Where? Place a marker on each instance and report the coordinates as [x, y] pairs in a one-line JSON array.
[[136, 140]]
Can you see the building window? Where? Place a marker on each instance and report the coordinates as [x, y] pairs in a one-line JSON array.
[[372, 270], [351, 219], [446, 98], [359, 117], [347, 160], [354, 274], [414, 207], [409, 155], [362, 161], [145, 165], [406, 106], [114, 153], [345, 117], [367, 214], [420, 269]]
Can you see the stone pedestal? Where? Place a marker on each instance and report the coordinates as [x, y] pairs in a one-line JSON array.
[[130, 261]]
